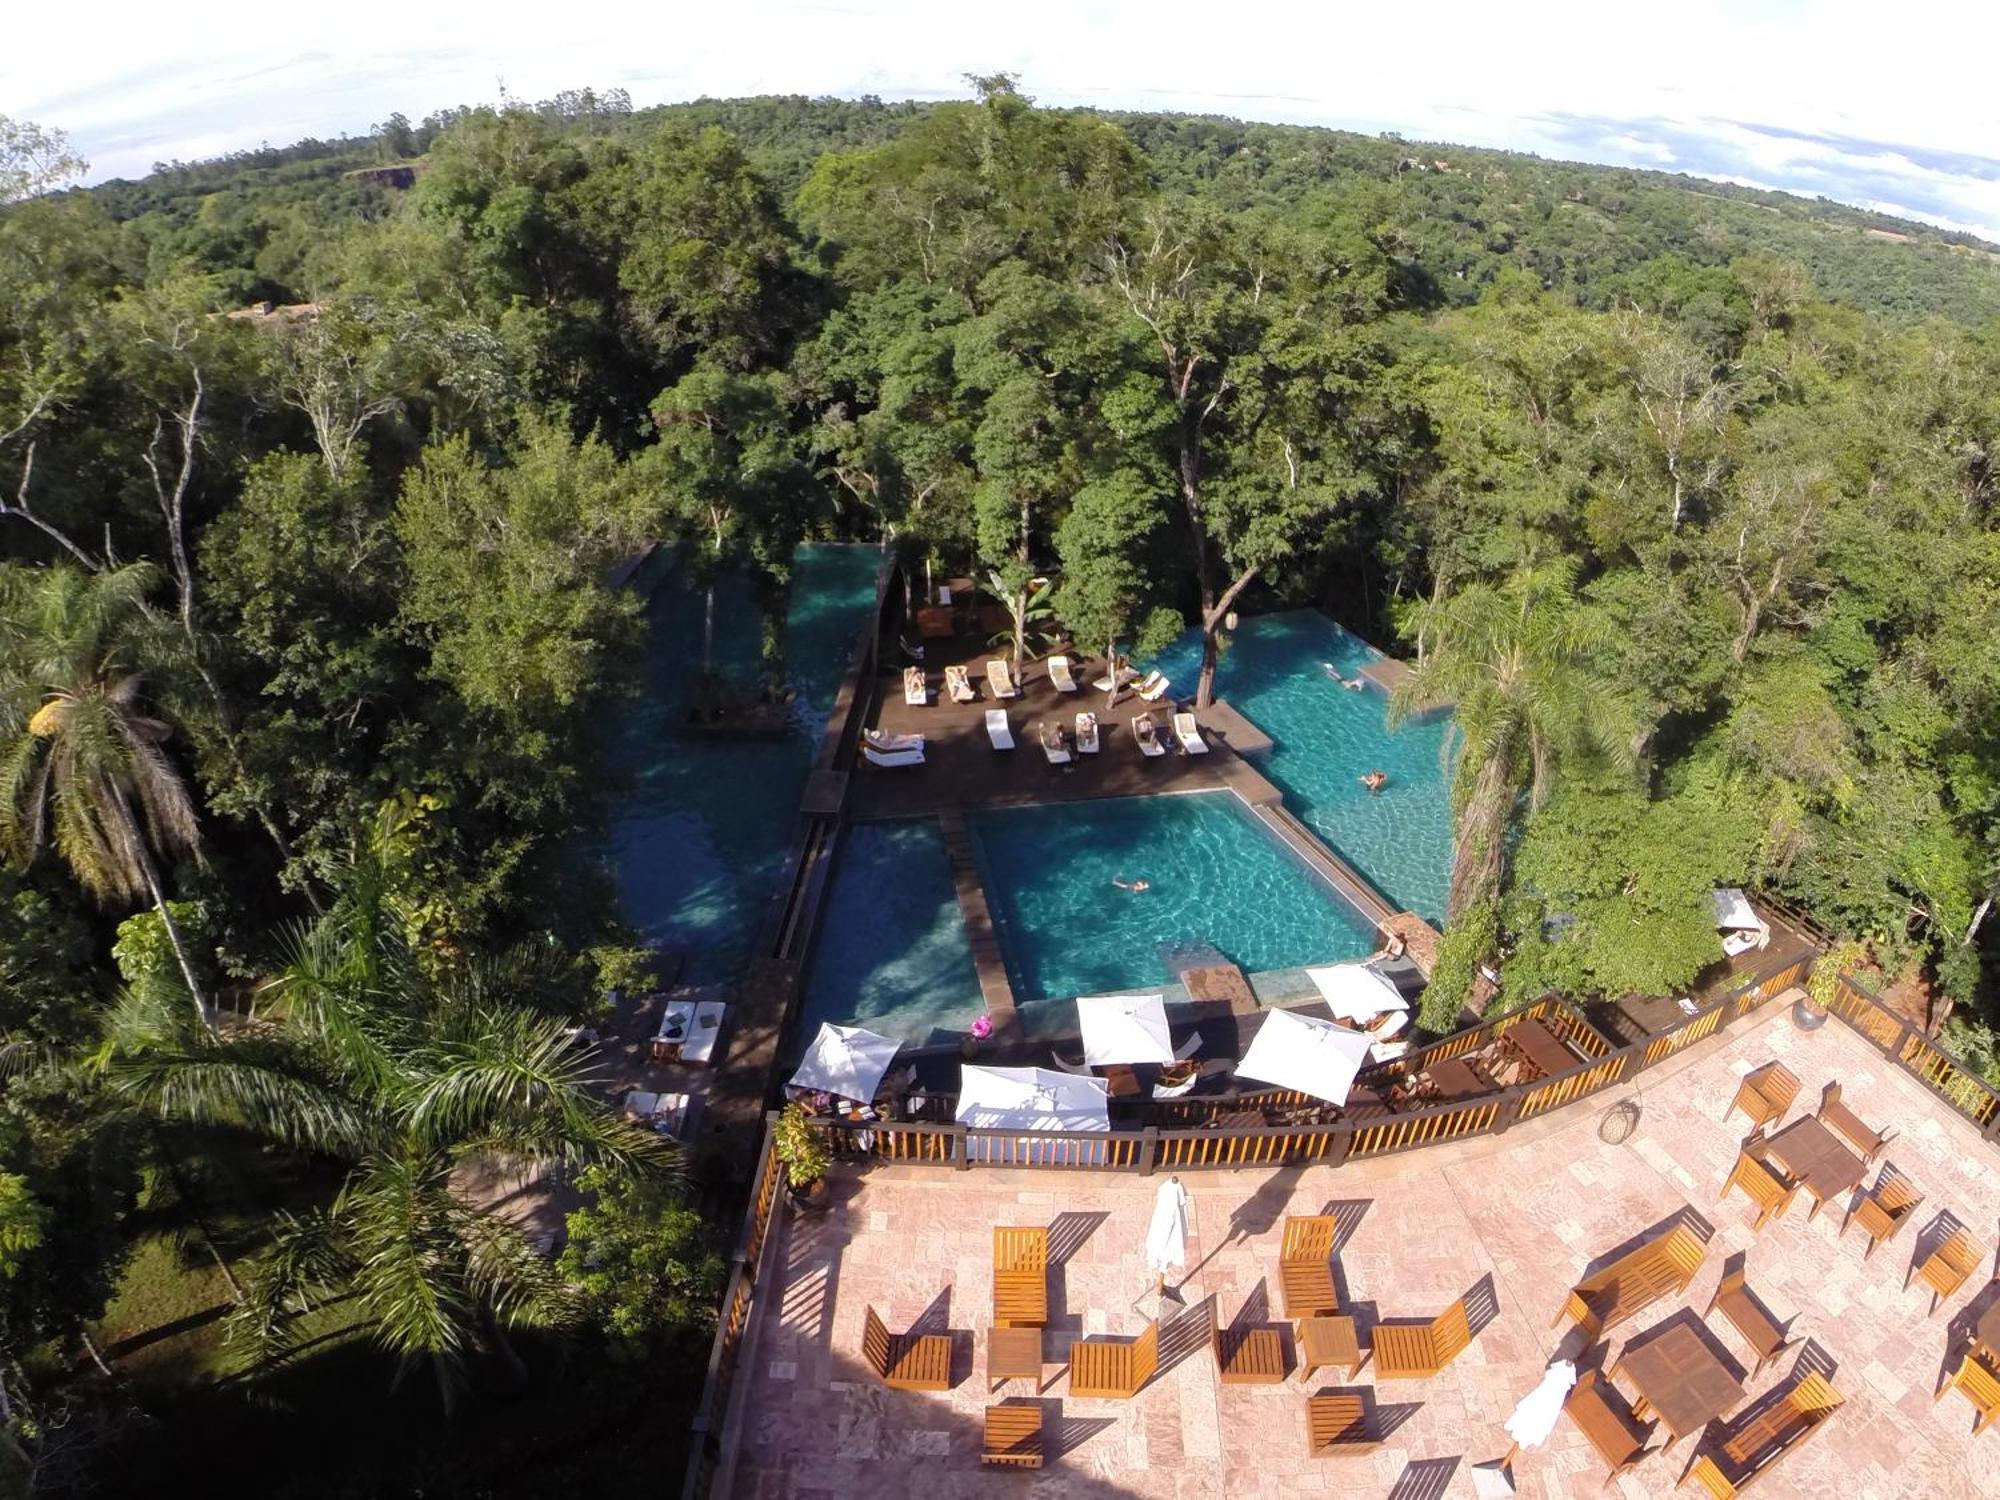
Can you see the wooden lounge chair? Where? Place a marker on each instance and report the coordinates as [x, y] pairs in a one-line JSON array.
[[915, 689], [1980, 1383], [997, 730], [1060, 674], [1189, 734], [1417, 1351], [1763, 1182], [1086, 733], [1617, 1439], [1000, 679], [1248, 1356], [958, 683], [906, 1361], [1884, 1209], [1021, 1277], [1305, 1265], [1634, 1282], [1148, 736], [1763, 1333], [1337, 1423], [1765, 1094], [1013, 1436], [1114, 1370], [1944, 1270], [1750, 1448], [1838, 1117]]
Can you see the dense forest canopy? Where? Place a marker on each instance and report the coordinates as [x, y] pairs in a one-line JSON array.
[[315, 462]]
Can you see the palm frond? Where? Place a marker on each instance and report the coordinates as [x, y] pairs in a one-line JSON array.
[[308, 1264], [258, 1083]]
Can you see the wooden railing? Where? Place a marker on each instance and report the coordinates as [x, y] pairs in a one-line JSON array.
[[1910, 1049]]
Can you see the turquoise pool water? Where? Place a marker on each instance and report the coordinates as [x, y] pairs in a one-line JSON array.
[[703, 826], [891, 952], [1326, 738], [1213, 877]]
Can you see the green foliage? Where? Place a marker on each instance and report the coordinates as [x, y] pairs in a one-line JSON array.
[[23, 1223], [800, 1146], [642, 1263], [1464, 947]]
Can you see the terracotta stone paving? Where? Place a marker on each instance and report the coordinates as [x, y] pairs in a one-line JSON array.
[[1512, 1220]]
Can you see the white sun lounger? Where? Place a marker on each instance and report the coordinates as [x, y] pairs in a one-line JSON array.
[[1000, 679], [889, 742], [892, 759], [1086, 733], [958, 682], [1154, 688], [915, 690], [1148, 737], [1189, 734], [1059, 674], [1052, 746], [997, 730]]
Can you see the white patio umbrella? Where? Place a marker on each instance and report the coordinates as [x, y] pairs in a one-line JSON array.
[[1124, 1029], [1530, 1425], [846, 1060], [1356, 992], [1166, 1238], [1031, 1099], [1301, 1052]]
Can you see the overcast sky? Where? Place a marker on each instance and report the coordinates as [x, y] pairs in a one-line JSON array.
[[1890, 106]]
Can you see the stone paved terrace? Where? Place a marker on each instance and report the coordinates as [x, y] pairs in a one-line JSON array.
[[1520, 1214]]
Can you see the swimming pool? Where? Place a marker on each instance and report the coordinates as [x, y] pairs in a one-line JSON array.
[[1326, 738], [1213, 877], [703, 825]]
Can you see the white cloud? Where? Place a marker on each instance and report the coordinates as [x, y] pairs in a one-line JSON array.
[[1662, 86]]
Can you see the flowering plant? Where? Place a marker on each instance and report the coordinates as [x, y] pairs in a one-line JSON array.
[[982, 1028]]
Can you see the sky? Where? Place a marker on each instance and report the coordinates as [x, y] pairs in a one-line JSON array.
[[1887, 106]]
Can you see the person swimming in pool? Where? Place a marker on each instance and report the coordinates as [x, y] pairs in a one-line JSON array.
[[1375, 780], [1131, 885]]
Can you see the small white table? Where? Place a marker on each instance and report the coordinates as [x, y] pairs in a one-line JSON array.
[[688, 1031]]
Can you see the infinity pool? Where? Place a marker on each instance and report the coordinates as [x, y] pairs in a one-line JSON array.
[[1326, 738], [703, 825]]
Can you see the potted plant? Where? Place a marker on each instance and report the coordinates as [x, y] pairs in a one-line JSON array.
[[1823, 984], [803, 1152], [968, 1047]]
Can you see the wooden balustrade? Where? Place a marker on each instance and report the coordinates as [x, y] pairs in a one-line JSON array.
[[1565, 1088]]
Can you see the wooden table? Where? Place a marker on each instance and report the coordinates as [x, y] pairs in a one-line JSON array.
[[1538, 1047], [1680, 1377], [1328, 1339], [1815, 1155], [1120, 1082], [1014, 1354], [1451, 1081]]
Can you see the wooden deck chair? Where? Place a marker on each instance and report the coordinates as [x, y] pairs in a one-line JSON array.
[[1617, 1440], [1633, 1282], [1762, 1181], [1751, 1448], [1248, 1356], [1337, 1423], [1944, 1270], [1980, 1383], [906, 1361], [1013, 1436], [1021, 1277], [1305, 1265], [1838, 1117], [1765, 1094], [1884, 1209], [1763, 1333], [1417, 1351], [1114, 1370]]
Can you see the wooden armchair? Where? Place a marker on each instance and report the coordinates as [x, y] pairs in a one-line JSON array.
[[1884, 1208], [1980, 1382], [1752, 1447], [1618, 1441], [1765, 1094], [1633, 1282], [1013, 1436], [1305, 1265], [1766, 1184], [1763, 1333], [1114, 1369], [1417, 1351], [1944, 1270], [1020, 1277], [1838, 1117], [1338, 1423], [906, 1361], [1248, 1356]]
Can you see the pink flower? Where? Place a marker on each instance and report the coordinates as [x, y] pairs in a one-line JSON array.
[[982, 1028]]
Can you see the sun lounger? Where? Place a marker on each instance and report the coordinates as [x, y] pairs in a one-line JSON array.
[[958, 682], [1086, 733], [915, 690], [1053, 747], [997, 730], [891, 760], [1190, 734], [1148, 735], [1000, 679], [888, 742], [1154, 688], [1059, 674]]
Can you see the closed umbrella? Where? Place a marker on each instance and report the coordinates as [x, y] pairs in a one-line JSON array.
[[1167, 1236], [1124, 1029], [846, 1060], [1301, 1052], [1356, 992], [1530, 1425]]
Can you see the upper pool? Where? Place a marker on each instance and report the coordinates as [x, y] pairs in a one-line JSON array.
[[1326, 738], [703, 825]]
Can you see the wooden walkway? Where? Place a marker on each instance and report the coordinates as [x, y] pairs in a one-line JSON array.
[[978, 917]]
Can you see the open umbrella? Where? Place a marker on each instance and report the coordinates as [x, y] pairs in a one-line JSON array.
[[847, 1061], [1124, 1029], [1356, 992], [1301, 1052], [1030, 1099]]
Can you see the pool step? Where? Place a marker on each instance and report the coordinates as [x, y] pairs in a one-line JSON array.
[[978, 917]]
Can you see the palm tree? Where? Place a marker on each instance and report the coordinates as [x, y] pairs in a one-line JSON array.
[[1516, 662], [419, 1075], [82, 759]]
